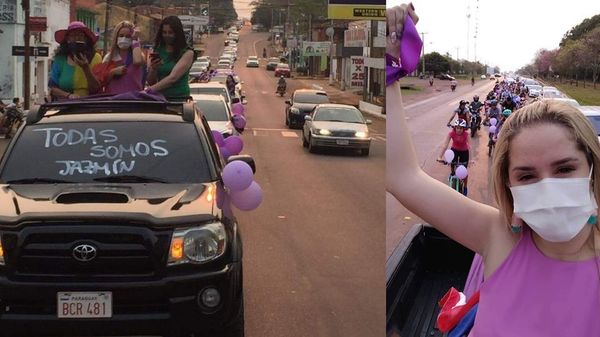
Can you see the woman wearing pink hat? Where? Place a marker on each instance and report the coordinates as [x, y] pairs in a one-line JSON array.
[[71, 75]]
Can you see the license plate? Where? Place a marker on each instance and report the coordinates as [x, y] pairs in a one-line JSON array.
[[342, 142], [84, 304]]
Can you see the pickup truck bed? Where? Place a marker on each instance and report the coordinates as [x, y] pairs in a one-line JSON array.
[[419, 272]]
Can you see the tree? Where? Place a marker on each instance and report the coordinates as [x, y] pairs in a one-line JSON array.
[[543, 61], [592, 41], [581, 29], [436, 63]]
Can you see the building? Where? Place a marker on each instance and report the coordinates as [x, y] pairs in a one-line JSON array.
[[12, 20]]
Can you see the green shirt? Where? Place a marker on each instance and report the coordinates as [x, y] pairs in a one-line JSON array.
[[181, 87]]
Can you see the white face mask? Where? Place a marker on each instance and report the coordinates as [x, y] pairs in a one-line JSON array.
[[124, 42], [557, 209]]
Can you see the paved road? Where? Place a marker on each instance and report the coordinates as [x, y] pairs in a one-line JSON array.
[[427, 122], [314, 250]]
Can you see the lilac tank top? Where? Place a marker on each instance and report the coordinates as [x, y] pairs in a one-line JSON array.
[[533, 295]]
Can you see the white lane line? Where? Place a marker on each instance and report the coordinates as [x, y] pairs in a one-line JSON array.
[[254, 133], [264, 92], [264, 129], [289, 134]]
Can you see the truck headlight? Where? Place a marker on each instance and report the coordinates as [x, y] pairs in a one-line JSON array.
[[197, 244], [361, 134]]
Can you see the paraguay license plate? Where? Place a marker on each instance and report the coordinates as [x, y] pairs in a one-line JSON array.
[[342, 142], [84, 304]]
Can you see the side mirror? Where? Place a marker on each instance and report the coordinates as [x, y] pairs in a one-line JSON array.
[[245, 158], [235, 100], [288, 102], [369, 121], [307, 118]]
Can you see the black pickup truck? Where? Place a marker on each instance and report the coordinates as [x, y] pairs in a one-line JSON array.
[[419, 272]]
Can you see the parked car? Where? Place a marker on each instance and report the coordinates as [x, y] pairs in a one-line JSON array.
[[212, 88], [446, 77], [272, 63], [252, 62], [217, 112], [551, 92], [283, 69], [116, 230], [303, 101], [225, 63], [336, 126]]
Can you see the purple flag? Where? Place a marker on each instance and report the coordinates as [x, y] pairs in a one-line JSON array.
[[410, 52]]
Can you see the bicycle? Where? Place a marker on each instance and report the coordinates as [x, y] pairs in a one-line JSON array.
[[454, 181]]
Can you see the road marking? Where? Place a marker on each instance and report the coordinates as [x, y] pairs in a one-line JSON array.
[[264, 92], [289, 134], [264, 129], [254, 133]]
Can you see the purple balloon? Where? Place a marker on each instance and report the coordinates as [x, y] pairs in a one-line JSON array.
[[239, 121], [248, 199], [225, 153], [237, 175], [492, 129], [234, 144], [238, 109], [461, 172], [493, 121], [218, 137]]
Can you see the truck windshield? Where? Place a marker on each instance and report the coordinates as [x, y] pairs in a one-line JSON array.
[[142, 151]]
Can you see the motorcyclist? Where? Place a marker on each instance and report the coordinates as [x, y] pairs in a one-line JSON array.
[[430, 80], [453, 84], [475, 107], [509, 103], [264, 53], [462, 112], [472, 80], [281, 84]]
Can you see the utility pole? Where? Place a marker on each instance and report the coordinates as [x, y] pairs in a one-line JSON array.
[[106, 18], [26, 65], [423, 39]]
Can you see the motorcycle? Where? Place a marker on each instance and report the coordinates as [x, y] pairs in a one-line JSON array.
[[281, 90]]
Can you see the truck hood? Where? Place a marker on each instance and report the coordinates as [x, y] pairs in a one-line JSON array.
[[158, 204]]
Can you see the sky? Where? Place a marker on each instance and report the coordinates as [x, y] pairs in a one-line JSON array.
[[510, 32], [243, 8]]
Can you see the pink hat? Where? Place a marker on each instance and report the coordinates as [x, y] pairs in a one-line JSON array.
[[61, 35]]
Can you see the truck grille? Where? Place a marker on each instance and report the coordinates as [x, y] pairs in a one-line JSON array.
[[48, 250]]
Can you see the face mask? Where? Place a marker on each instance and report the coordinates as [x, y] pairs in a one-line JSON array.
[[124, 42], [169, 39], [557, 209]]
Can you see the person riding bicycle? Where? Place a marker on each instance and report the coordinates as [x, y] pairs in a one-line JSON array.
[[493, 112], [462, 112], [509, 103], [460, 146]]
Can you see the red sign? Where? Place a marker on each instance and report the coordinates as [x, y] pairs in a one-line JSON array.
[[38, 23]]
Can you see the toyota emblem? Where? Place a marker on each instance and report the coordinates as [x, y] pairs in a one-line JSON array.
[[84, 253]]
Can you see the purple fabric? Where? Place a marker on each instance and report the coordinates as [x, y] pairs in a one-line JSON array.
[[410, 52], [475, 278], [147, 95], [533, 295]]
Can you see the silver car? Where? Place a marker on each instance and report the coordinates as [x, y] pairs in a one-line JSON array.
[[217, 112], [336, 126]]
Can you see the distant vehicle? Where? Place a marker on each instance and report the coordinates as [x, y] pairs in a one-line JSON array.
[[282, 69], [217, 113], [225, 62], [483, 77], [593, 114], [336, 126], [211, 88], [303, 101], [569, 101], [446, 77], [497, 75], [196, 70], [272, 63], [252, 62], [551, 92], [534, 90]]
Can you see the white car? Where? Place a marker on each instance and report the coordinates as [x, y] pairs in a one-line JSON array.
[[213, 88], [252, 62], [217, 112], [593, 115], [569, 101], [551, 92], [336, 126], [225, 64], [534, 89]]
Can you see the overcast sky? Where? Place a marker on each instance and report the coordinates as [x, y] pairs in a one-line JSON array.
[[243, 9], [509, 31]]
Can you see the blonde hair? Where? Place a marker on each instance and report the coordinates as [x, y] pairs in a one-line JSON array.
[[123, 24], [552, 112]]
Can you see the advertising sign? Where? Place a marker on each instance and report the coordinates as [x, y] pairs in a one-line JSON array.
[[356, 37], [357, 71], [315, 48], [8, 11], [356, 9]]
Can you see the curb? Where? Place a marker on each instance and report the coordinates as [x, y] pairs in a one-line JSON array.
[[374, 114]]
